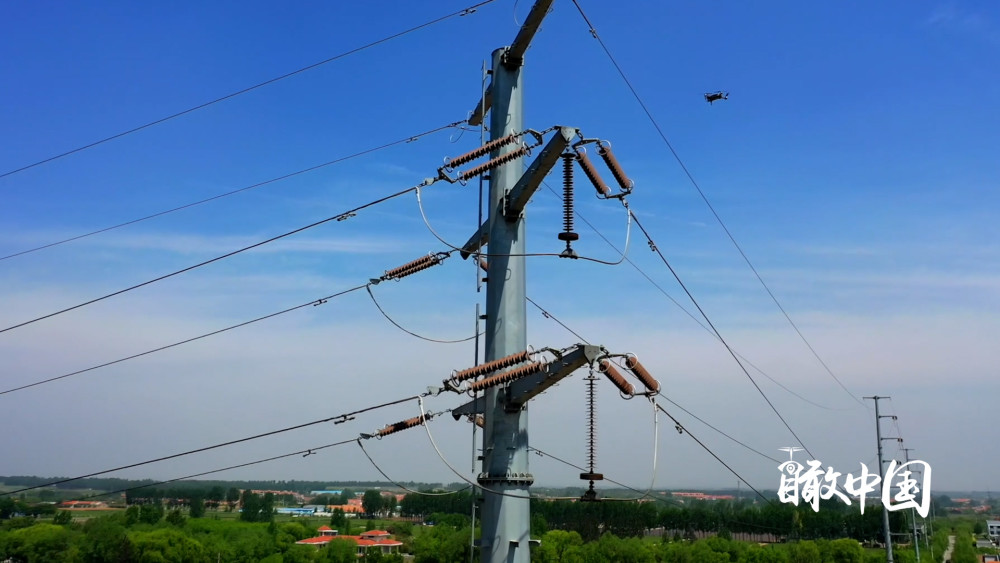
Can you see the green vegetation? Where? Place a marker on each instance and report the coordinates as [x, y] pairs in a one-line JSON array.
[[219, 524], [133, 536]]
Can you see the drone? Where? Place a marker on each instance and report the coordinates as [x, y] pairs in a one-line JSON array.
[[716, 96]]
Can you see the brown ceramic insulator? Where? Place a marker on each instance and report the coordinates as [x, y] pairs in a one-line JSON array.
[[608, 369], [395, 272], [591, 173], [507, 376], [490, 367], [636, 368], [400, 426], [484, 264], [616, 169], [480, 421], [493, 163], [419, 267], [485, 149]]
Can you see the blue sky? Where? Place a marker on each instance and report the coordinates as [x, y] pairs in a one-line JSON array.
[[855, 162]]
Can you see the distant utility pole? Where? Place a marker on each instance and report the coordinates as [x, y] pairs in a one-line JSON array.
[[913, 512], [881, 469]]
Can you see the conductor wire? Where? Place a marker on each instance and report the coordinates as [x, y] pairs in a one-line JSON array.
[[420, 401], [212, 260], [462, 12], [368, 288], [409, 139], [398, 484], [430, 228]]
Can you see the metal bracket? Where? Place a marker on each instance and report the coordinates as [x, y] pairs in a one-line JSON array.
[[518, 196]]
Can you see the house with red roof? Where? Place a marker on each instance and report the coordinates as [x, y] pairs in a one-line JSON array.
[[380, 540]]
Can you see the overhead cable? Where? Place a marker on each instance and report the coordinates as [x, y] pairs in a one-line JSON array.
[[552, 317], [339, 417], [404, 329], [718, 218], [717, 458], [691, 315], [216, 259], [303, 453], [314, 303], [409, 139], [718, 334], [395, 274], [465, 11], [400, 485]]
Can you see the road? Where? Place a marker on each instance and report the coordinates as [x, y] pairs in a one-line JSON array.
[[947, 552]]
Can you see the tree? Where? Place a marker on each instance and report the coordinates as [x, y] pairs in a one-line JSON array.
[[232, 497], [338, 520], [175, 518], [150, 513], [197, 509], [559, 546], [168, 545], [249, 506], [339, 551], [371, 502], [106, 540], [63, 517], [41, 542], [266, 508], [389, 504]]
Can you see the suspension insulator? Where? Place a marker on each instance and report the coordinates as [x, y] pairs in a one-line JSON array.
[[490, 367], [479, 421], [609, 370], [591, 173], [422, 262], [484, 264], [400, 426], [417, 268], [591, 422], [493, 163], [508, 376], [640, 372], [483, 150], [568, 235], [616, 169]]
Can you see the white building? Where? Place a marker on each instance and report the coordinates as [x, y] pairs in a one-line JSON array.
[[993, 528]]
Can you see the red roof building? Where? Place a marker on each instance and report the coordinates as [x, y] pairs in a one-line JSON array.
[[379, 540]]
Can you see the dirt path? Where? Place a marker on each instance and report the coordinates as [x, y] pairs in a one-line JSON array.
[[947, 552]]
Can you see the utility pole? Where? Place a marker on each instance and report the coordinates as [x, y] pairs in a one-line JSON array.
[[505, 479], [913, 512], [881, 470]]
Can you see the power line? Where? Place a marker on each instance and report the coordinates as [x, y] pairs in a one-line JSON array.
[[409, 139], [699, 419], [549, 315], [717, 458], [398, 484], [719, 335], [339, 417], [314, 302], [411, 333], [684, 309], [718, 218], [216, 259], [305, 452], [461, 12]]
